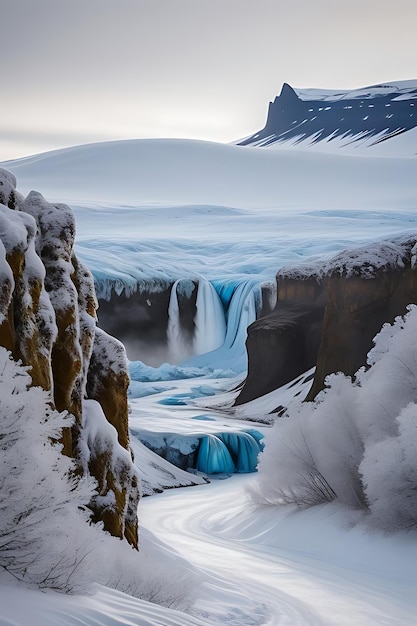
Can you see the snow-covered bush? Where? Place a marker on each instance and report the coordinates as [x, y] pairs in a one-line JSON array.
[[44, 536], [356, 442]]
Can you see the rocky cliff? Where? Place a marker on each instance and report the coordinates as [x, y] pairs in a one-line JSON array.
[[48, 321], [367, 116], [328, 314]]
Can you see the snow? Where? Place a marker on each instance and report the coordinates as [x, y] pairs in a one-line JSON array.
[[14, 230], [406, 89], [282, 566], [151, 212], [362, 261], [6, 277], [319, 567], [100, 436], [209, 178]]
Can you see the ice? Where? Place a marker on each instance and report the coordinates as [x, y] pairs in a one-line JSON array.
[[244, 449], [204, 418], [210, 323], [241, 312], [216, 453], [214, 457], [172, 401], [140, 372], [139, 389]]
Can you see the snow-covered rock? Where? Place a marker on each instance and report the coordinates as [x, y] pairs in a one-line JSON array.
[[328, 313], [343, 120], [48, 322]]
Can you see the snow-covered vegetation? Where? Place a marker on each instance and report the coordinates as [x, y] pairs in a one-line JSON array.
[[45, 540], [356, 442]]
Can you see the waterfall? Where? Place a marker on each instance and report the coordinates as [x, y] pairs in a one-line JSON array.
[[179, 347], [241, 303], [209, 321]]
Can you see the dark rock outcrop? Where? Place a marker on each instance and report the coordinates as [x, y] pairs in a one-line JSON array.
[[280, 347], [377, 113], [327, 315], [48, 321], [357, 303], [285, 343]]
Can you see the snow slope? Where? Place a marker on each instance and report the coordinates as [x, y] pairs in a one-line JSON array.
[[279, 566], [158, 172], [263, 566]]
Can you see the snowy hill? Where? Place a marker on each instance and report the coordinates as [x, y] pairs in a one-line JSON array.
[[333, 120], [181, 173]]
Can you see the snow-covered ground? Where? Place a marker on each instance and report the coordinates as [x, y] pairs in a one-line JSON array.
[[255, 567], [160, 209], [281, 566]]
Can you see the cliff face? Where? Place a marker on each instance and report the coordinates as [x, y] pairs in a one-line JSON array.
[[286, 342], [357, 303], [140, 320], [328, 315], [48, 321]]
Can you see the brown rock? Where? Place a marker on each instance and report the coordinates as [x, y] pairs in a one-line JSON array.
[[48, 321], [284, 344]]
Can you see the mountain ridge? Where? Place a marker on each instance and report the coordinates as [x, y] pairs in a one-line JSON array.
[[366, 116]]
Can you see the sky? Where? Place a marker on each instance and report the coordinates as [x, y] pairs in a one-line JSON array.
[[98, 70]]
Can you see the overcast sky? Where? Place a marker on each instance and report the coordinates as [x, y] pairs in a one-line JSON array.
[[78, 71]]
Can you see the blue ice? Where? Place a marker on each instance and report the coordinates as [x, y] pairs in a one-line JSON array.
[[172, 401], [226, 453], [146, 373], [244, 450], [204, 418], [258, 436], [214, 457]]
